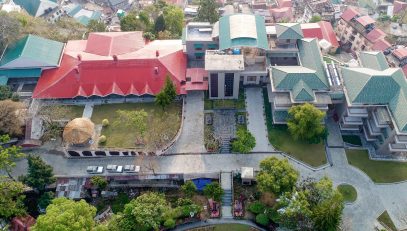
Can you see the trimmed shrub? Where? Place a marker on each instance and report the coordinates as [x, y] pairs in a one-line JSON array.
[[262, 219], [105, 122], [184, 201], [257, 207], [102, 139], [169, 223]]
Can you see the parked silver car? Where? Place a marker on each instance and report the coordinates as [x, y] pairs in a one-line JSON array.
[[94, 169]]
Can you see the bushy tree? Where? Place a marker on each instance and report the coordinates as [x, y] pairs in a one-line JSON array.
[[305, 123], [174, 20], [296, 212], [315, 18], [207, 11], [40, 174], [245, 141], [328, 214], [262, 219], [149, 36], [96, 26], [8, 156], [11, 198], [144, 213], [276, 176], [167, 94], [12, 116], [45, 199], [169, 223], [9, 30], [99, 182], [132, 22], [214, 191], [5, 92], [159, 24], [188, 188], [257, 207], [68, 215]]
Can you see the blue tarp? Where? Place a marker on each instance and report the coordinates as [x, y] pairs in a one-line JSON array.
[[200, 183]]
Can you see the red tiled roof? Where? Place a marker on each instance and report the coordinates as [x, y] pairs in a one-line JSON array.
[[197, 82], [284, 3], [108, 44], [375, 34], [365, 20], [135, 73], [349, 13], [282, 13], [328, 33], [312, 30], [400, 53], [399, 6], [381, 45]]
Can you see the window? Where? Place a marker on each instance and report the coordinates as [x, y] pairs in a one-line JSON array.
[[198, 46], [214, 85], [212, 46], [188, 79], [205, 78], [199, 55], [287, 41], [229, 80], [251, 78]]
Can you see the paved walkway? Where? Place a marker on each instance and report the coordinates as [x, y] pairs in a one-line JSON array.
[[217, 222], [87, 112], [191, 139], [226, 184], [256, 120]]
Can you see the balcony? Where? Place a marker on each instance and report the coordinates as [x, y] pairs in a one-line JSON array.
[[352, 120], [358, 112], [368, 136], [401, 139], [255, 64], [276, 46], [373, 130], [344, 127], [398, 147]]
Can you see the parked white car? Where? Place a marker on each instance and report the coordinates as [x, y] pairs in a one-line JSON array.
[[131, 168], [94, 169]]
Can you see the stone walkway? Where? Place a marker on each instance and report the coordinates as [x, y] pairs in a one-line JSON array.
[[256, 120], [226, 184], [87, 112], [191, 139]]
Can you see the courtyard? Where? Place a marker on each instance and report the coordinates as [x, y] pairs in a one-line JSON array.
[[162, 125]]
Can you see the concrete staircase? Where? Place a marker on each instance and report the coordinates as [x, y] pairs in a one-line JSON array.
[[225, 145], [226, 182]]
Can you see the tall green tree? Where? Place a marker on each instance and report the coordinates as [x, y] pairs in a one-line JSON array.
[[167, 94], [159, 24], [11, 198], [45, 199], [214, 191], [96, 26], [144, 213], [40, 174], [174, 20], [99, 181], [305, 123], [8, 156], [328, 214], [276, 176], [68, 215], [132, 22], [296, 211], [245, 141], [188, 188], [207, 11]]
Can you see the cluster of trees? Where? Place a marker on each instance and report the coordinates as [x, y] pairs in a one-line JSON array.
[[305, 122], [167, 94], [309, 205], [244, 142], [12, 116], [158, 20]]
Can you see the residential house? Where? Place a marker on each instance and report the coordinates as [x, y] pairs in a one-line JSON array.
[[37, 8], [322, 8], [83, 16], [376, 103], [358, 33], [324, 32], [398, 58]]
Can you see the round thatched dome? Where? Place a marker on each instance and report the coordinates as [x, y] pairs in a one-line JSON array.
[[78, 131]]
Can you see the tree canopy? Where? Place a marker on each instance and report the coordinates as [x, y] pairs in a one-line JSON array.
[[8, 156], [132, 22], [167, 94], [315, 18], [305, 123], [96, 26], [188, 188], [9, 31], [12, 116], [99, 181], [207, 11], [245, 141], [174, 20], [144, 213], [40, 174], [276, 176], [68, 215], [12, 198], [214, 191]]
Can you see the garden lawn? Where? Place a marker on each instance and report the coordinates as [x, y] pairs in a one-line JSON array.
[[162, 125], [348, 192], [73, 111], [385, 219], [225, 103], [280, 138], [378, 171], [234, 227]]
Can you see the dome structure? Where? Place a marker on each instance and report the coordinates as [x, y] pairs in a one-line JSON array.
[[78, 131]]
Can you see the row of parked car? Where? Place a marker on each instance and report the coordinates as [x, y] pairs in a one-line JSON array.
[[112, 168]]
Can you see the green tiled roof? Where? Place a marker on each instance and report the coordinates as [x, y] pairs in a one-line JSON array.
[[378, 87], [373, 60], [302, 92], [21, 73], [289, 31], [302, 80], [39, 50], [226, 42], [32, 6]]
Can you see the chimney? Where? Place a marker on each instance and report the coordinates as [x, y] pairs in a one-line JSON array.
[[156, 70], [76, 70], [157, 53], [115, 58], [79, 57]]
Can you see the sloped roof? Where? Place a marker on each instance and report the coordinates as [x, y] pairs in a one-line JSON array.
[[117, 43], [400, 53], [138, 72], [365, 20], [378, 87], [373, 60], [233, 34], [311, 30], [329, 33], [36, 8], [282, 13], [399, 6], [289, 31], [381, 45], [33, 50], [349, 13], [375, 34], [302, 92]]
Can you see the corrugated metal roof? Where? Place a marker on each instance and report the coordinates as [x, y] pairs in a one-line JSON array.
[[373, 60], [302, 92], [21, 73], [289, 31]]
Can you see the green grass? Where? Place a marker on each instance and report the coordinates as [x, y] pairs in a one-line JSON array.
[[378, 171], [234, 227], [225, 103], [280, 138], [162, 126], [119, 202], [328, 60], [352, 139], [348, 192], [385, 219]]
